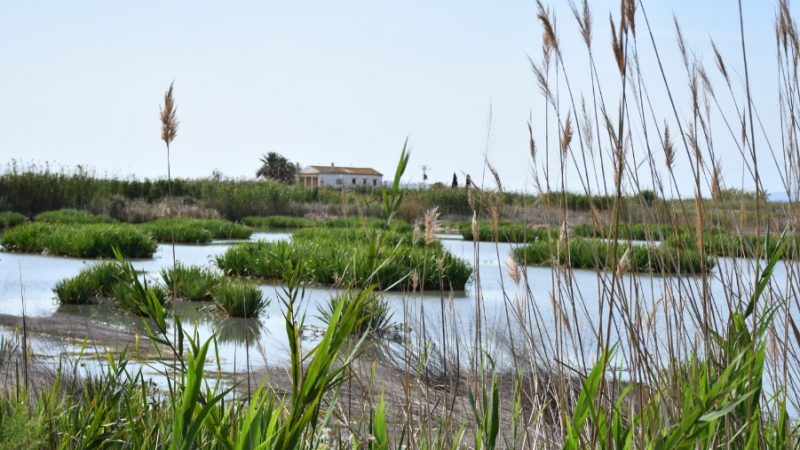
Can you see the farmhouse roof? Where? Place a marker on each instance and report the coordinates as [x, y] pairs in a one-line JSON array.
[[341, 170]]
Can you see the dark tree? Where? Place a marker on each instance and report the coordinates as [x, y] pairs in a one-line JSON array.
[[455, 181], [275, 166], [468, 182]]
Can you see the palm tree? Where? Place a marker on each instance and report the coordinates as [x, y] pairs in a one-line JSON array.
[[275, 166]]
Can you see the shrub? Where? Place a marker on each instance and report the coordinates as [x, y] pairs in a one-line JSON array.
[[71, 216], [239, 298], [10, 219], [83, 241], [191, 283]]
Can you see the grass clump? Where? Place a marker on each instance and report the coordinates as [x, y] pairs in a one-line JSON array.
[[71, 216], [330, 261], [10, 219], [94, 282], [239, 298], [192, 283], [581, 253], [506, 232], [379, 322], [81, 241], [277, 222], [194, 231]]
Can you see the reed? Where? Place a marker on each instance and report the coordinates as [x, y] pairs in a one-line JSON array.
[[90, 285]]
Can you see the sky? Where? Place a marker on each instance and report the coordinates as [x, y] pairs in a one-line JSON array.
[[345, 82]]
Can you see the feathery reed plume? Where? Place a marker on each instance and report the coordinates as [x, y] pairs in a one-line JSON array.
[[669, 148], [584, 19], [566, 135], [169, 121], [476, 228], [531, 142], [416, 237], [586, 126], [720, 62], [616, 46], [629, 13], [549, 38], [624, 264], [496, 176], [513, 270], [681, 42], [432, 225], [716, 181]]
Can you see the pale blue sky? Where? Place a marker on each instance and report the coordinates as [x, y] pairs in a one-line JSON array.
[[318, 81]]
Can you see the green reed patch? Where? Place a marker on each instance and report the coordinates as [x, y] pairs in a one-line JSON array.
[[82, 241], [71, 216], [193, 283], [239, 298], [195, 231], [720, 243], [506, 232], [10, 219], [332, 260], [277, 222], [90, 284], [581, 253], [379, 322]]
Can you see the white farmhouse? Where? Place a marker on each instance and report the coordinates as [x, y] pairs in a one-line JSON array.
[[338, 176]]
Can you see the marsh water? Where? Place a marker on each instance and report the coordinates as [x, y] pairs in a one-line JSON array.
[[493, 299]]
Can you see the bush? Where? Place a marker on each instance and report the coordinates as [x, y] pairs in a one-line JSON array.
[[239, 299], [82, 241], [89, 285], [191, 283], [71, 216]]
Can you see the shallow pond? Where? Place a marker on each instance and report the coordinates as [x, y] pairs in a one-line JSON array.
[[547, 302]]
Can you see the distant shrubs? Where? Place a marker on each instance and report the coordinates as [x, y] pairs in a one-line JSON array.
[[71, 216], [738, 246], [194, 231], [286, 222], [10, 219], [239, 298], [81, 241], [581, 253]]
